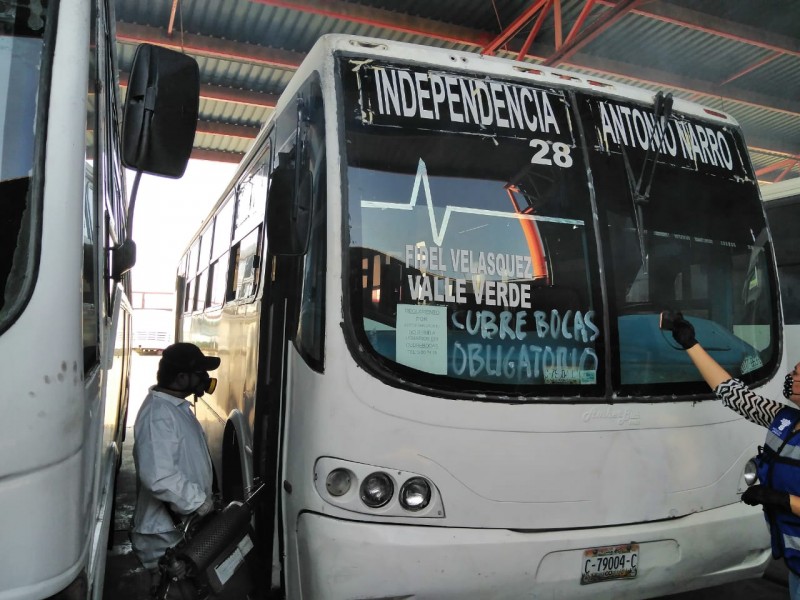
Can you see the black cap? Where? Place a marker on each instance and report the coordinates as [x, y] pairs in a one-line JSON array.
[[186, 358]]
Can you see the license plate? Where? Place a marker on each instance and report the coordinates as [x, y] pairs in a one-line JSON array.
[[609, 562]]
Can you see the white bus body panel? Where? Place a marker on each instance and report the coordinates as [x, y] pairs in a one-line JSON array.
[[50, 434], [345, 558], [515, 475]]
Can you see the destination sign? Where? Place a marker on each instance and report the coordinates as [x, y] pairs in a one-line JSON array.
[[406, 96], [613, 125]]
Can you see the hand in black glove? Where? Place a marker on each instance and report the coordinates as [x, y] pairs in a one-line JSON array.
[[759, 494], [177, 570], [683, 332]]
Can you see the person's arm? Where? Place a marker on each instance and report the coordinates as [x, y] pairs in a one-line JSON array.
[[710, 369], [733, 393]]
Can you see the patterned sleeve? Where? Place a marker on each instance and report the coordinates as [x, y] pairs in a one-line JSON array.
[[737, 396]]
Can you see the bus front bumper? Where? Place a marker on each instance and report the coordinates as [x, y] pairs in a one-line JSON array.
[[357, 560]]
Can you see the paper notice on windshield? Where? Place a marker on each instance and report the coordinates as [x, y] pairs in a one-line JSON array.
[[422, 337]]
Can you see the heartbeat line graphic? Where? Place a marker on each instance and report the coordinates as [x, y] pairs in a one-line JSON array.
[[438, 233]]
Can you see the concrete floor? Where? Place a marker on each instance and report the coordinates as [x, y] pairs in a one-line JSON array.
[[127, 580]]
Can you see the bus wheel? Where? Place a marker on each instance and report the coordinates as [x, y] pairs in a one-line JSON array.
[[232, 481]]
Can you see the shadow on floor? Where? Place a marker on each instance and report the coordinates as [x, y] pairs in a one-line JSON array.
[[126, 579]]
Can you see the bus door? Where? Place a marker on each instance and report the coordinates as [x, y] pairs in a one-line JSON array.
[[292, 308]]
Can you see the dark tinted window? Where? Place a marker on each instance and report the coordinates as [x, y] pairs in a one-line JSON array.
[[784, 217], [23, 60]]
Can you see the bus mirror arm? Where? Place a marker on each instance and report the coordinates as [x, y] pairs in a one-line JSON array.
[[123, 256]]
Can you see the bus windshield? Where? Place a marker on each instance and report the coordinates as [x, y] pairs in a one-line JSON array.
[[21, 55], [697, 243], [476, 229]]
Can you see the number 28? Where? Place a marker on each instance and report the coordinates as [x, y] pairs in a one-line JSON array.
[[561, 153]]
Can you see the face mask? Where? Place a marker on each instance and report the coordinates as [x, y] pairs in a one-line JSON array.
[[206, 385], [787, 386]]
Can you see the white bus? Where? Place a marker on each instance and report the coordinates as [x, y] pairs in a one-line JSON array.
[[435, 283], [782, 203], [64, 311]]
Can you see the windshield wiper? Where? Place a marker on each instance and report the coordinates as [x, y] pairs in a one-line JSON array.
[[662, 111]]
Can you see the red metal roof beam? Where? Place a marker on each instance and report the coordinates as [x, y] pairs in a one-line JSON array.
[[217, 155], [171, 26], [384, 19], [536, 27], [752, 67], [781, 164], [786, 171], [706, 23], [128, 33], [587, 8], [559, 33], [512, 30], [227, 129], [597, 27], [222, 94]]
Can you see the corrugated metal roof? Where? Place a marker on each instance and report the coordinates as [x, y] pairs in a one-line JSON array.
[[667, 47], [242, 75], [228, 112], [779, 16], [690, 47]]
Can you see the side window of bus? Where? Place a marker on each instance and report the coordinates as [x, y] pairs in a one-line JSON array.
[[251, 198], [220, 246], [245, 257], [218, 281], [90, 321], [188, 297], [790, 284], [191, 265], [201, 293], [245, 266], [204, 251], [783, 217], [204, 254]]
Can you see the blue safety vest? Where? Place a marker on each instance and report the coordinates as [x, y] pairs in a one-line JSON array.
[[778, 466]]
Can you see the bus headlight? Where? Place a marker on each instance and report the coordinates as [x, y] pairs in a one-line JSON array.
[[338, 482], [377, 489], [750, 472], [415, 494]]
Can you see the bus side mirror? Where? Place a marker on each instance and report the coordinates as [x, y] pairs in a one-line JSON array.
[[123, 258], [161, 109], [289, 208]]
